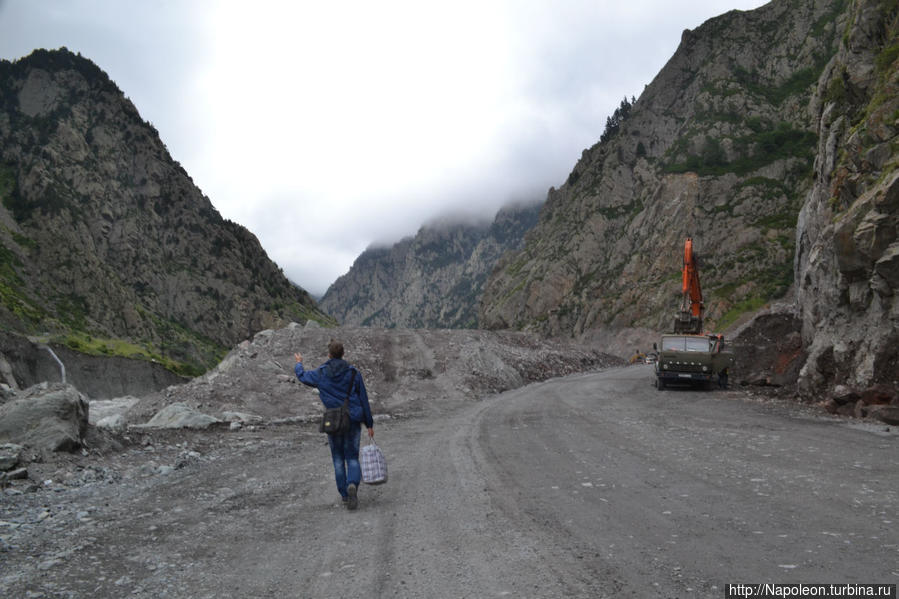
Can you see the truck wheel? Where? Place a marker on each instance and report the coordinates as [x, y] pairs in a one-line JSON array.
[[660, 383]]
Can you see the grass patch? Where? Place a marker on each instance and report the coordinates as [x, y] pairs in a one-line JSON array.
[[19, 304], [750, 304], [99, 346]]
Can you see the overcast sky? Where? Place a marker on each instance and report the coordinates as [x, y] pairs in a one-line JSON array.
[[325, 127]]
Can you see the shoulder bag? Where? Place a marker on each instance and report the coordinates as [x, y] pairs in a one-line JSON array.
[[337, 420]]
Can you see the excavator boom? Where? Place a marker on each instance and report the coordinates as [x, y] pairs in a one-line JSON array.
[[689, 320]]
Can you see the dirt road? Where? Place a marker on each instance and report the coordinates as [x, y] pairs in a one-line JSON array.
[[590, 486]]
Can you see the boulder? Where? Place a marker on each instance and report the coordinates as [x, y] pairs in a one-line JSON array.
[[847, 409], [888, 414], [878, 395], [10, 455], [830, 405], [101, 409], [758, 379], [6, 374], [51, 417], [242, 418], [843, 395], [114, 422], [179, 415], [17, 474]]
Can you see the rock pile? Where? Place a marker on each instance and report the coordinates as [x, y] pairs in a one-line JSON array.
[[403, 369], [879, 402]]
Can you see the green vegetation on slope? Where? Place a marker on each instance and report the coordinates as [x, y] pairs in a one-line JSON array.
[[766, 143]]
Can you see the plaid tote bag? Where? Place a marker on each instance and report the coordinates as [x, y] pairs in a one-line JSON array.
[[374, 466]]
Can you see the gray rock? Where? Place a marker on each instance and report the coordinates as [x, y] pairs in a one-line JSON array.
[[49, 564], [179, 415], [105, 408], [6, 374], [116, 423], [10, 455], [888, 414], [242, 417], [17, 474], [843, 394], [48, 417]]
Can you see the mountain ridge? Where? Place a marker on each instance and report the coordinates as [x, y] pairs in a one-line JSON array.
[[430, 280], [107, 245]]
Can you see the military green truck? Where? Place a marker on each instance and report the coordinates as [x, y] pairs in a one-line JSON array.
[[692, 359]]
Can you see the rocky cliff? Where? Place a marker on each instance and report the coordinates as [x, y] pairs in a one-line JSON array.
[[431, 280], [847, 255], [769, 138], [106, 244]]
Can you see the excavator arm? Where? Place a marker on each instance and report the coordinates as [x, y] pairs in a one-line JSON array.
[[689, 320]]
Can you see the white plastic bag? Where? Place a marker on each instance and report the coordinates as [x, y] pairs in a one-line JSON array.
[[374, 466]]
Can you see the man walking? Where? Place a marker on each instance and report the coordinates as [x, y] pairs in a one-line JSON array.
[[334, 380]]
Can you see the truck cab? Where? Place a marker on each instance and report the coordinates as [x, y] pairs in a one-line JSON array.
[[693, 359]]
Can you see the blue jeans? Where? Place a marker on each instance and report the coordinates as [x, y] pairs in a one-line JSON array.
[[345, 454]]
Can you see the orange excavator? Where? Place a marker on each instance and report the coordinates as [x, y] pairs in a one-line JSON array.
[[689, 320]]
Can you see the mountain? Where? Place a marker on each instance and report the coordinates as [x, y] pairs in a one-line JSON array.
[[769, 138], [431, 280], [106, 244]]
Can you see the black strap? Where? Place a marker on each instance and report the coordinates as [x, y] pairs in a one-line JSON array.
[[346, 402]]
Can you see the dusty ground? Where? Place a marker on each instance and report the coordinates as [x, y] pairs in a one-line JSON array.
[[595, 485]]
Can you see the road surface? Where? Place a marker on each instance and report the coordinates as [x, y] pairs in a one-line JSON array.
[[595, 485]]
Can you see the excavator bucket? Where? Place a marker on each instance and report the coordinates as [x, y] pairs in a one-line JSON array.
[[687, 324]]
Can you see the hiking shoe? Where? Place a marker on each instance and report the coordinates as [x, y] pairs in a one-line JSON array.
[[351, 501]]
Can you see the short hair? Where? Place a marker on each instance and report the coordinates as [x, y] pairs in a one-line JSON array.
[[335, 349]]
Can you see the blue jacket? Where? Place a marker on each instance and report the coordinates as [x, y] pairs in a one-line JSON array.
[[332, 379]]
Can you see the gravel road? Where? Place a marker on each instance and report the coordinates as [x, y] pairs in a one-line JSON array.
[[594, 485]]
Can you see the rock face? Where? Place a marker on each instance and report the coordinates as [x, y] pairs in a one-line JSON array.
[[847, 259], [770, 139], [431, 280], [105, 237]]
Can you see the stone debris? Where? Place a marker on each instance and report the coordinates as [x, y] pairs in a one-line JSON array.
[[880, 402]]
